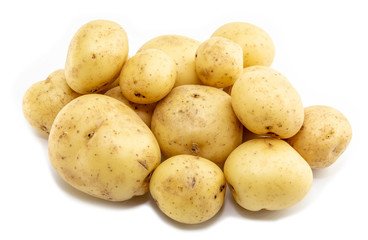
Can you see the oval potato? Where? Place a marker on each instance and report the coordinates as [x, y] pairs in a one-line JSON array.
[[96, 54], [188, 189], [101, 147]]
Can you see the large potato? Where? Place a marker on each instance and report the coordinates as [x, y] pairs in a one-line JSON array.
[[96, 55], [324, 136], [44, 99], [182, 50], [101, 147], [219, 62], [148, 76], [144, 111], [266, 103], [197, 120], [188, 189], [267, 174], [258, 47]]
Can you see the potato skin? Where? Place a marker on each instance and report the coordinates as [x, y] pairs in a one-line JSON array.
[[144, 111], [101, 147], [258, 47], [266, 103], [188, 189], [148, 76], [197, 120], [267, 174], [182, 49], [44, 99], [96, 54], [219, 62], [324, 136]]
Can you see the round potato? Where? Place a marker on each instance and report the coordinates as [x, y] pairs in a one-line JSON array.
[[188, 189], [182, 50], [144, 111], [219, 62], [266, 103], [95, 56], [101, 147], [324, 136], [44, 99], [267, 174], [197, 120], [148, 76], [258, 47]]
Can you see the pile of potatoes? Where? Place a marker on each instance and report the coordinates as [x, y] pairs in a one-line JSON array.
[[183, 120]]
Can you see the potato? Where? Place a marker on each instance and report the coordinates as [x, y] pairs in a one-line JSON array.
[[250, 69], [95, 56], [266, 103], [197, 120], [182, 49], [324, 136], [101, 147], [267, 174], [219, 62], [258, 47], [144, 111], [44, 99], [188, 189], [148, 76]]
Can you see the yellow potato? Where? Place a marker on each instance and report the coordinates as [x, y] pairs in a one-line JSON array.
[[95, 56], [144, 111], [44, 99], [219, 62], [182, 50], [258, 47], [266, 103], [101, 147], [267, 174], [188, 189], [324, 136], [148, 76], [197, 120]]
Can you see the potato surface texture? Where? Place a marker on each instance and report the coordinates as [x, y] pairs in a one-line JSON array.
[[267, 174], [197, 120], [324, 136], [182, 49], [144, 111], [266, 103], [258, 47], [101, 147], [44, 99], [219, 62], [95, 56], [148, 76], [188, 189]]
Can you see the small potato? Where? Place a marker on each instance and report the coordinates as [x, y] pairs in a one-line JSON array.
[[197, 120], [95, 56], [324, 136], [148, 76], [144, 111], [188, 189], [258, 47], [266, 103], [267, 174], [101, 147], [44, 99], [219, 62], [182, 49]]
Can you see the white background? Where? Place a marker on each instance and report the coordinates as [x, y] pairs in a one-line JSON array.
[[321, 46]]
